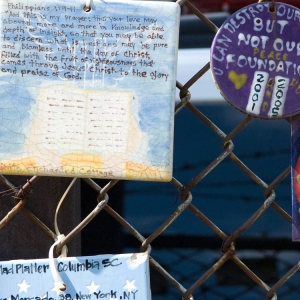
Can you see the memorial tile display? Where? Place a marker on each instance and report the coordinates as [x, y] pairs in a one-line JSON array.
[[88, 93], [255, 60]]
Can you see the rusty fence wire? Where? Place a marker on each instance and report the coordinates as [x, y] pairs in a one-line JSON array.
[[186, 282]]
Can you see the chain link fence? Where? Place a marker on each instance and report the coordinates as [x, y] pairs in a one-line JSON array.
[[187, 272]]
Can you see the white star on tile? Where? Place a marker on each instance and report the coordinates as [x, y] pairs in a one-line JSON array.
[[57, 289], [23, 286], [129, 285], [92, 288]]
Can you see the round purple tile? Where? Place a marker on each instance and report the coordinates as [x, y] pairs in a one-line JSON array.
[[255, 60]]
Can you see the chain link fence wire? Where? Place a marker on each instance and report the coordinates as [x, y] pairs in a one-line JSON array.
[[190, 272]]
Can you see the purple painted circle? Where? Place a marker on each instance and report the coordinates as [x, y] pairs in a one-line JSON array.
[[255, 60]]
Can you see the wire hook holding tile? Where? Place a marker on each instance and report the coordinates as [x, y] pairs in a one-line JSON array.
[[60, 237], [272, 4], [87, 6], [60, 203], [58, 283]]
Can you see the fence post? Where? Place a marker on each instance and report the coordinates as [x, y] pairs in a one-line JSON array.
[[21, 238]]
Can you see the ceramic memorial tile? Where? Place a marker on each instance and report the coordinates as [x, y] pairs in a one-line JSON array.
[[255, 60], [88, 94], [107, 277]]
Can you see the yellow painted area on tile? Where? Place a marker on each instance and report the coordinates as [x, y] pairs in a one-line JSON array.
[[24, 166], [140, 171], [84, 165], [239, 80], [81, 159]]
